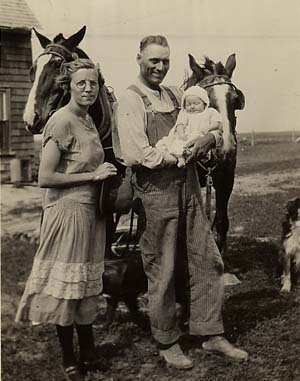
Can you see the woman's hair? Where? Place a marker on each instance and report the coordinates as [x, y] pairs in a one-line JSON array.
[[157, 40], [68, 68]]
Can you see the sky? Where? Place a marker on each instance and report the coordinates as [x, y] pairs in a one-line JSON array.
[[264, 34]]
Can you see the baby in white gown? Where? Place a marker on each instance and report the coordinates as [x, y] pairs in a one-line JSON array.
[[195, 119]]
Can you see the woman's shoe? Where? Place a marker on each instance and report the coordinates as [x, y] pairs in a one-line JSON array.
[[73, 373]]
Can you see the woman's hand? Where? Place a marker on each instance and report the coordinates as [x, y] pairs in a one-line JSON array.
[[202, 145], [104, 171]]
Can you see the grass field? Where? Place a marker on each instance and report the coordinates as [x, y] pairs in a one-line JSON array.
[[256, 316]]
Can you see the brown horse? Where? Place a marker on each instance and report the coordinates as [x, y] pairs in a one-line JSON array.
[[46, 96], [224, 96]]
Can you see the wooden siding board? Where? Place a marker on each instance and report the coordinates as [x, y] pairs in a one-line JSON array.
[[18, 98], [17, 117], [9, 71], [19, 124], [19, 51], [16, 57], [13, 42], [16, 64], [12, 79], [22, 139], [21, 132], [20, 91], [14, 85]]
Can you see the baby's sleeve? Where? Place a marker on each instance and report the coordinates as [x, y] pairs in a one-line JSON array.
[[214, 116], [59, 131], [181, 118]]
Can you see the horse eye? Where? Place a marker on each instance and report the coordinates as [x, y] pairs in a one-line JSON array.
[[57, 62]]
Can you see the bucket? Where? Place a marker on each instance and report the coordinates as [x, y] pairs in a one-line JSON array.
[[15, 171]]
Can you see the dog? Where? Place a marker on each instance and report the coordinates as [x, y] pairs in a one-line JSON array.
[[290, 244], [124, 280]]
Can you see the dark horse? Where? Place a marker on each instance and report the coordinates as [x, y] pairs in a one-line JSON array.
[[46, 96], [224, 96]]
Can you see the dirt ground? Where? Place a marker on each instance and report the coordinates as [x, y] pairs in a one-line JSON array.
[[256, 316]]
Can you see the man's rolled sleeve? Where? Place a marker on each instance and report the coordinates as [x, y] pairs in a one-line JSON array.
[[131, 120]]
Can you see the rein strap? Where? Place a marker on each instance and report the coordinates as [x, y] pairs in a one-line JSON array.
[[226, 82]]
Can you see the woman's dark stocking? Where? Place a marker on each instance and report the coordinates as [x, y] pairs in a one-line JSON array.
[[86, 342], [65, 336]]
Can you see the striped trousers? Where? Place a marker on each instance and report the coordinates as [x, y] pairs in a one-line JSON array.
[[179, 253]]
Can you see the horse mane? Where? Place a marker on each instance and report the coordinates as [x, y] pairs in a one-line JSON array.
[[208, 67], [59, 38]]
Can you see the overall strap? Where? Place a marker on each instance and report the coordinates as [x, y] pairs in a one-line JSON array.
[[144, 97], [172, 96]]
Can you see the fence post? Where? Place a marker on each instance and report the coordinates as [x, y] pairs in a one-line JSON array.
[[252, 138]]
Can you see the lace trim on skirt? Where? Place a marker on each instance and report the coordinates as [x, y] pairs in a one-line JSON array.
[[66, 280]]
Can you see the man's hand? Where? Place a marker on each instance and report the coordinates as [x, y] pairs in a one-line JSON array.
[[202, 145], [168, 160]]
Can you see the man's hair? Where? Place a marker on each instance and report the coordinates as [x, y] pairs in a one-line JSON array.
[[157, 40]]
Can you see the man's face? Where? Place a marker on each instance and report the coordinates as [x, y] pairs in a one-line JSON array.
[[154, 63]]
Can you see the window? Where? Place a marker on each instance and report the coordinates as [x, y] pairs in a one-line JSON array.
[[4, 121]]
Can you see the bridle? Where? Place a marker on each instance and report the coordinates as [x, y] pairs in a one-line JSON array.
[[209, 170], [216, 83], [49, 50], [66, 55]]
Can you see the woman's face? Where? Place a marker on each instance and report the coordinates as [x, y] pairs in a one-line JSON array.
[[84, 86]]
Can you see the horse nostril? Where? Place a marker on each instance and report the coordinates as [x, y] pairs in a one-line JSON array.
[[27, 126], [36, 118]]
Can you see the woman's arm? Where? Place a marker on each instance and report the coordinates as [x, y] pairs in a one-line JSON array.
[[50, 178]]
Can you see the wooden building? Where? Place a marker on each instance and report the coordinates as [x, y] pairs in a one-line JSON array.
[[16, 144]]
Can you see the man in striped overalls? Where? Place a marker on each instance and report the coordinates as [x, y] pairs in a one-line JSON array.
[[175, 233]]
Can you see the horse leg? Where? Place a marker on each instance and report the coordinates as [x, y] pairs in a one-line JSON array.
[[112, 305], [223, 186]]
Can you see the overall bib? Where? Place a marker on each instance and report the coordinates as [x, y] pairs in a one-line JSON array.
[[175, 238]]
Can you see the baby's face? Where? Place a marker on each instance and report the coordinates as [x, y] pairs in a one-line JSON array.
[[194, 104]]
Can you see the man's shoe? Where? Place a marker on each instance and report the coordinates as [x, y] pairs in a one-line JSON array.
[[72, 373], [219, 345], [175, 357]]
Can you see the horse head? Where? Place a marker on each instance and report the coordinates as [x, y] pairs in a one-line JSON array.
[[46, 96], [224, 96]]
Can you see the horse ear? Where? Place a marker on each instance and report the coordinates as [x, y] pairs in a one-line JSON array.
[[230, 65], [77, 37], [240, 100], [196, 69], [44, 41]]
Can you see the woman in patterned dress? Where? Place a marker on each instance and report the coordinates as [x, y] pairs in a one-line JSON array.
[[66, 276]]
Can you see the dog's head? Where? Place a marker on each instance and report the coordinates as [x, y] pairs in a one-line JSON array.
[[293, 209], [292, 215]]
